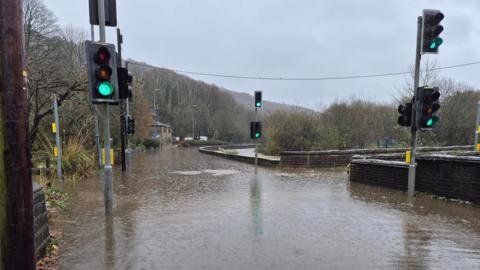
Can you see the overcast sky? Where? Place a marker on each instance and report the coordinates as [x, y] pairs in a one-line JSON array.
[[290, 38]]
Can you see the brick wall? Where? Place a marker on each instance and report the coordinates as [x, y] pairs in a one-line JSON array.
[[40, 219], [450, 176]]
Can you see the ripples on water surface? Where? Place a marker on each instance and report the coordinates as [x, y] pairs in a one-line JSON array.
[[179, 209]]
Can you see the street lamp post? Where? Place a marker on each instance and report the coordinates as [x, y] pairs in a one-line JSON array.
[[477, 129], [156, 111], [193, 122]]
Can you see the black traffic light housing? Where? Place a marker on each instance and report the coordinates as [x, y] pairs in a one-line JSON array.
[[125, 79], [258, 99], [427, 107], [130, 125], [431, 30], [255, 130], [405, 118], [110, 12], [130, 86], [102, 73]]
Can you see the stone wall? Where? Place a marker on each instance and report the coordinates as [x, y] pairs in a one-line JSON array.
[[390, 174], [212, 150], [341, 158], [40, 219], [449, 176]]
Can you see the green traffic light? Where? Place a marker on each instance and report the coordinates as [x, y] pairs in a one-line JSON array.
[[436, 43], [431, 121], [105, 89], [257, 135], [258, 104]]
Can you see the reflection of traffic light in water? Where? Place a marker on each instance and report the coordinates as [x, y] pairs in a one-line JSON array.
[[416, 242], [256, 204]]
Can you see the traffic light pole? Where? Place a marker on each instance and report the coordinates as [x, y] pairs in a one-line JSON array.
[[107, 169], [97, 131], [122, 107], [256, 141], [477, 129], [127, 112], [412, 165], [57, 137], [97, 140]]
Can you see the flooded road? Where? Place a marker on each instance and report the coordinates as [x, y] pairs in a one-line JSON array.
[[180, 209]]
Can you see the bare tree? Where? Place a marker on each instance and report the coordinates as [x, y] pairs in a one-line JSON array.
[[55, 63], [429, 75]]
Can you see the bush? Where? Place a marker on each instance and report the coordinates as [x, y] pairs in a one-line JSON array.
[[78, 160], [151, 143]]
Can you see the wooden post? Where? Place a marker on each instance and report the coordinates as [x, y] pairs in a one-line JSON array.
[[14, 143]]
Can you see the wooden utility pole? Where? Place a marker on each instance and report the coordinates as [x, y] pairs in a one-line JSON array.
[[14, 139]]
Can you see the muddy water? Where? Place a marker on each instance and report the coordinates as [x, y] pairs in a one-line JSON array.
[[179, 209]]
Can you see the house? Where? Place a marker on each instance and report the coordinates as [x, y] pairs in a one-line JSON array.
[[163, 132]]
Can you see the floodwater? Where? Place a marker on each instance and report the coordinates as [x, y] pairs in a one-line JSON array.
[[180, 209]]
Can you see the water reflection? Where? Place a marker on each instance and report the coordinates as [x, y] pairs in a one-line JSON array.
[[432, 230], [417, 246], [423, 205], [256, 203], [268, 219], [109, 243]]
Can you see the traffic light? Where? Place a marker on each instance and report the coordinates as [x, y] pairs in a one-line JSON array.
[[258, 99], [431, 30], [102, 73], [405, 118], [428, 106], [255, 130], [130, 125], [130, 87], [125, 79]]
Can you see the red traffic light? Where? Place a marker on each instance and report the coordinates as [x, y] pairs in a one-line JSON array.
[[102, 56], [434, 18]]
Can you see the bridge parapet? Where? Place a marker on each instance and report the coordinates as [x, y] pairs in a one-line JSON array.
[[341, 158], [455, 176]]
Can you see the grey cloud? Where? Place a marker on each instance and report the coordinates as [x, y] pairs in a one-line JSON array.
[[291, 38]]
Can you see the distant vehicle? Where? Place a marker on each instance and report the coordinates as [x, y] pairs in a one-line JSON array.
[[203, 138]]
